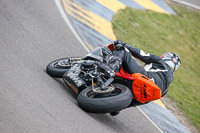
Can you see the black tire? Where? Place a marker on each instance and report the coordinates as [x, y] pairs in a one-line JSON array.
[[55, 70], [105, 104]]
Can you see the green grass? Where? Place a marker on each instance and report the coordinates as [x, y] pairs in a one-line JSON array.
[[158, 33]]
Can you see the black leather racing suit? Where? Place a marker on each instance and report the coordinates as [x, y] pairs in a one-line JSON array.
[[155, 69]]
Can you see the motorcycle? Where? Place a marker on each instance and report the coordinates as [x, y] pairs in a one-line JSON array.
[[101, 83]]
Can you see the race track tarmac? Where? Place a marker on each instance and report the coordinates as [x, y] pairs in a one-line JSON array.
[[33, 33]]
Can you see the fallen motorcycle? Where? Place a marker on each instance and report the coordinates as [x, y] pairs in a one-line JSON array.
[[101, 83]]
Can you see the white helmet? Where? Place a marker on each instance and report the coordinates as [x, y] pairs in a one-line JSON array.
[[171, 59]]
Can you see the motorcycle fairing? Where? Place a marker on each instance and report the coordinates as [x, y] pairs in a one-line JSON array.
[[144, 89], [96, 54]]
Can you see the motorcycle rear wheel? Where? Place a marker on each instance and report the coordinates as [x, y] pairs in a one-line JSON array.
[[115, 101], [58, 67]]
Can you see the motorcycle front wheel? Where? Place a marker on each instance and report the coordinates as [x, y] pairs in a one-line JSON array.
[[58, 67], [117, 100]]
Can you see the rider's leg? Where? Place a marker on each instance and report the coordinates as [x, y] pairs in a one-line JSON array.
[[129, 64]]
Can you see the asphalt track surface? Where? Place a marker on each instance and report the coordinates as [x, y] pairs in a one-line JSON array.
[[190, 3], [33, 33], [193, 2]]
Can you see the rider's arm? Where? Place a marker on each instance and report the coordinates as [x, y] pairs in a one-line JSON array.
[[140, 54]]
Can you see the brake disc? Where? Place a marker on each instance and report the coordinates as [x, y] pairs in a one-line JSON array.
[[100, 90]]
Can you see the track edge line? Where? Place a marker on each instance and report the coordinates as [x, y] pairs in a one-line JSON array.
[[60, 8]]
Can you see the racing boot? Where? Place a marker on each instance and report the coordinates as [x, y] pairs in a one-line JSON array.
[[114, 113]]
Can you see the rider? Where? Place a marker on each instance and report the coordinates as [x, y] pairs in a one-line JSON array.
[[160, 69]]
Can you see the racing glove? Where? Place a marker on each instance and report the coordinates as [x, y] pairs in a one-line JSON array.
[[119, 42]]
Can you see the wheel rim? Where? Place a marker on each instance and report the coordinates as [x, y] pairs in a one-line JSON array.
[[61, 64], [92, 94], [65, 63]]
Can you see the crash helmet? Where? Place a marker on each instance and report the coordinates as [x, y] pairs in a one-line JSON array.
[[171, 59]]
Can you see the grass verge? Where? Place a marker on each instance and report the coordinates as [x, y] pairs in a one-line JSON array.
[[158, 33]]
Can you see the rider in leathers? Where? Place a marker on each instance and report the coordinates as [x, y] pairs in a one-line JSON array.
[[160, 69]]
